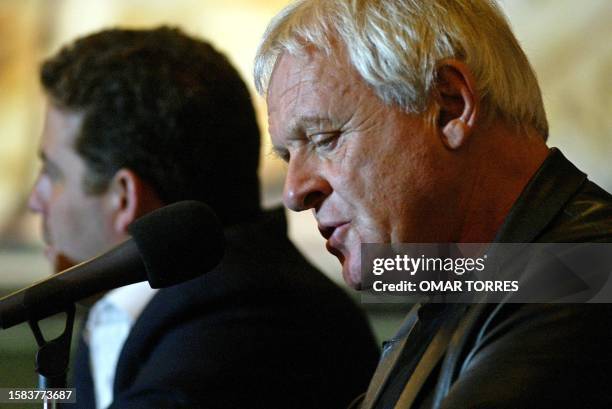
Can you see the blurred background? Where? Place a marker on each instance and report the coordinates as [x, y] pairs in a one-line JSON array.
[[568, 42]]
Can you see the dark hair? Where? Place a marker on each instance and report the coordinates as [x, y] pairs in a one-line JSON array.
[[167, 106]]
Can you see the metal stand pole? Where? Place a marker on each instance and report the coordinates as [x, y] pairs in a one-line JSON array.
[[53, 357]]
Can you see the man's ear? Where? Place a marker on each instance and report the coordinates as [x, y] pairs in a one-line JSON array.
[[457, 101], [130, 197]]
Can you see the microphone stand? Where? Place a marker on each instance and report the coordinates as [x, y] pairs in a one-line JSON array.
[[52, 358]]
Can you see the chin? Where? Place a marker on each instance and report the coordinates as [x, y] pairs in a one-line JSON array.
[[352, 276]]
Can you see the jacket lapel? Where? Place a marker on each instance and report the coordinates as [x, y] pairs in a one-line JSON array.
[[82, 378], [410, 357], [389, 359]]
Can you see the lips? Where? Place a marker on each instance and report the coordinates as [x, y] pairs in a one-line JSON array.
[[334, 234], [326, 231]]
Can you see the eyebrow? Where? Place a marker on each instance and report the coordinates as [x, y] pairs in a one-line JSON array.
[[305, 121], [296, 128]]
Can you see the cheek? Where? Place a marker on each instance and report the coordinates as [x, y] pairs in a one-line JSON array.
[[374, 187], [382, 190], [61, 221], [352, 177], [71, 225]]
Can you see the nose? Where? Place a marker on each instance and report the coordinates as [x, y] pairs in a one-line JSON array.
[[305, 188]]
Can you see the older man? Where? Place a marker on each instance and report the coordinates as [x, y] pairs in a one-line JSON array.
[[423, 122], [138, 119]]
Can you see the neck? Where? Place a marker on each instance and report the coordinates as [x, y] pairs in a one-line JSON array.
[[495, 184]]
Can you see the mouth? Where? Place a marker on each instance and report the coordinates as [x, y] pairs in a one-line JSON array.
[[334, 233]]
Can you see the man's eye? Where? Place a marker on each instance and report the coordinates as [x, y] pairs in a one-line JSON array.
[[324, 140], [51, 171], [281, 154]]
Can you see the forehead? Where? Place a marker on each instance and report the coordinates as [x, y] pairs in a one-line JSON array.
[[312, 87], [308, 75], [61, 128]]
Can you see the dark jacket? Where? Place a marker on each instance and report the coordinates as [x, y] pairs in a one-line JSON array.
[[264, 329], [512, 355]]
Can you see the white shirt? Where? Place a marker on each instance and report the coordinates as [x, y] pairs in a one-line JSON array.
[[109, 323]]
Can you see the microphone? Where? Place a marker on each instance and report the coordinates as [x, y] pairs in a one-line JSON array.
[[168, 246]]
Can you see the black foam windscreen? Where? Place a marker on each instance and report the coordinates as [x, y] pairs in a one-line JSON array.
[[178, 242]]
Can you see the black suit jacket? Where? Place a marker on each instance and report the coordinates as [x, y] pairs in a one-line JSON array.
[[264, 329], [513, 355]]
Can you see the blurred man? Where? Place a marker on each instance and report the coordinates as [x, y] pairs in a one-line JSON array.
[[137, 119], [422, 122]]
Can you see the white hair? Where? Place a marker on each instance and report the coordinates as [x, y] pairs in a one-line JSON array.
[[395, 46]]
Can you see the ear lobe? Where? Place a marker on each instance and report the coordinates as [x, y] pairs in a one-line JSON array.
[[457, 102], [455, 133]]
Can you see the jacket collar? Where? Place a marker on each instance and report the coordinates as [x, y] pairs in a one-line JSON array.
[[549, 190]]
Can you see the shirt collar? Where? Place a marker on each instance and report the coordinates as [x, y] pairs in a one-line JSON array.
[[131, 299]]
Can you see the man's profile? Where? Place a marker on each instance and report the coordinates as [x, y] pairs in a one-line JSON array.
[[423, 122], [135, 120]]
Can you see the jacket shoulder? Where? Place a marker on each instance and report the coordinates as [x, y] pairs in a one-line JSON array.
[[586, 217]]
